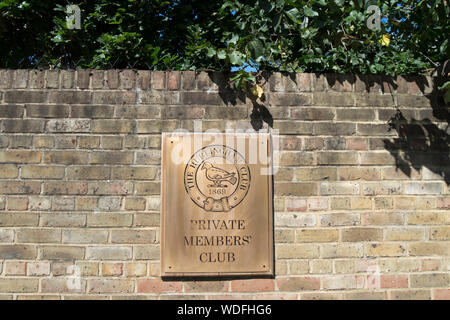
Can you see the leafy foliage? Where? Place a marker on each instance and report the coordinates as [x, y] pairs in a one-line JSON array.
[[280, 35], [446, 87]]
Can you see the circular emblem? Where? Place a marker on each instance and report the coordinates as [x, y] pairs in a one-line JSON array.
[[217, 178]]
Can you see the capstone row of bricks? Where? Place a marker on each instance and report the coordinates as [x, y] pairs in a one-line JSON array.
[[211, 81]]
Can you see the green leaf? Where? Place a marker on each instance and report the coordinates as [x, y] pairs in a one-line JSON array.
[[309, 12], [210, 52], [221, 54], [256, 47], [447, 96], [294, 15], [234, 39], [236, 58]]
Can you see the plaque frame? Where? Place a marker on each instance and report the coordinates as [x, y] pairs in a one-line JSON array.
[[166, 271]]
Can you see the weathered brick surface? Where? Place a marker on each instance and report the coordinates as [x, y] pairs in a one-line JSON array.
[[359, 212]]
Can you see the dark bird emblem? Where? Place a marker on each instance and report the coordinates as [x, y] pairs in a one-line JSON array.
[[218, 175], [213, 186]]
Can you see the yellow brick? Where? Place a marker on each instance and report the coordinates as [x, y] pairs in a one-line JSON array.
[[284, 235], [281, 267], [344, 266], [415, 203], [155, 270], [87, 203], [297, 251], [315, 174], [321, 296], [88, 268], [278, 204], [340, 203], [136, 269], [8, 171], [112, 269], [298, 267], [43, 141], [428, 218], [359, 173], [404, 203], [20, 156], [409, 294], [339, 219], [404, 234], [341, 250], [382, 219], [398, 265], [361, 203], [430, 280], [42, 172], [385, 250], [284, 174], [362, 234], [383, 203], [321, 266], [316, 235], [440, 233], [424, 203], [18, 285], [429, 249], [117, 285], [343, 282], [38, 235], [17, 203], [137, 204], [133, 236], [365, 295], [89, 142]]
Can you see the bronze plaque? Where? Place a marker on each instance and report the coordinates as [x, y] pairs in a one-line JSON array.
[[216, 205]]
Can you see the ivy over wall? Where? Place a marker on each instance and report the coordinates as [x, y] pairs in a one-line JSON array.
[[282, 35]]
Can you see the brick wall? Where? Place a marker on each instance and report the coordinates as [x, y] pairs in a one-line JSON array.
[[361, 196]]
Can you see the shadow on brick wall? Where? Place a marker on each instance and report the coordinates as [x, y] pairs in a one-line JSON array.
[[229, 95], [422, 143]]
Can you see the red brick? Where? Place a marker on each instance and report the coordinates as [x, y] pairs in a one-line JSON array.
[[157, 286], [251, 285], [317, 204], [173, 80], [356, 144], [294, 204], [431, 264], [441, 294], [394, 281]]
